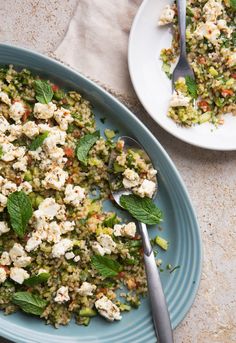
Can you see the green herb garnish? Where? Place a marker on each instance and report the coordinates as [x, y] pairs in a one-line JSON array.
[[37, 279], [38, 141], [191, 85], [44, 92], [1, 151], [142, 209], [20, 211], [172, 270], [29, 303], [111, 221], [106, 266], [233, 4], [85, 144]]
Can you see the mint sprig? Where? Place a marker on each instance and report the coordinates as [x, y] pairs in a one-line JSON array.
[[20, 211], [29, 302], [38, 141], [191, 85], [142, 209], [85, 144], [233, 4], [106, 266], [37, 279], [43, 90]]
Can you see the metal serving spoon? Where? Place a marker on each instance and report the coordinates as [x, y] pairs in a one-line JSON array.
[[160, 313], [182, 68]]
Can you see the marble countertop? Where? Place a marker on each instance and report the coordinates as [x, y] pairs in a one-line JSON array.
[[210, 178]]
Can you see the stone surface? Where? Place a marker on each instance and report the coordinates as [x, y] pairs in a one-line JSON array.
[[210, 178]]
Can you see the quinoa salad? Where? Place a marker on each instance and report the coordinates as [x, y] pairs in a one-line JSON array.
[[61, 254], [211, 48]]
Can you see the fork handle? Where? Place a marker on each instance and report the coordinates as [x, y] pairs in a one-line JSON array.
[[181, 6], [160, 314]]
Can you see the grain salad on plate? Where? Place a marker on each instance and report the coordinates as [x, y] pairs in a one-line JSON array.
[[61, 254], [211, 48]]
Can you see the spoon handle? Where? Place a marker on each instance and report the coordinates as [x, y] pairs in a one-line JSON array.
[[160, 313], [181, 5]]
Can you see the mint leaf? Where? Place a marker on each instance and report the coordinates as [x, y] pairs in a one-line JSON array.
[[20, 211], [111, 221], [29, 303], [192, 86], [233, 4], [44, 92], [38, 141], [106, 266], [142, 209], [37, 279], [85, 144]]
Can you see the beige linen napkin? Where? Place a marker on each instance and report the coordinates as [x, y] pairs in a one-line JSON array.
[[97, 40]]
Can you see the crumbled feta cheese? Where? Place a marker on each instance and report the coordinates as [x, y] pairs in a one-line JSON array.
[[30, 129], [67, 226], [55, 179], [107, 243], [77, 258], [167, 16], [147, 188], [74, 195], [15, 132], [231, 60], [222, 25], [131, 178], [33, 243], [62, 295], [16, 111], [3, 202], [69, 255], [4, 125], [86, 289], [59, 249], [5, 259], [18, 275], [4, 228], [212, 9], [53, 232], [25, 187], [3, 275], [61, 214], [22, 261], [55, 153], [151, 173], [8, 187], [44, 111], [16, 251], [208, 30], [98, 249], [56, 135], [36, 155], [63, 118], [48, 209], [128, 230], [107, 309], [5, 98], [178, 99], [21, 164]]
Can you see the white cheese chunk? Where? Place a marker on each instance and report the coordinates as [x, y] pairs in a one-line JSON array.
[[62, 295], [4, 227], [8, 187], [55, 179], [15, 132], [18, 275], [69, 255], [126, 230], [5, 259], [107, 309], [30, 129], [208, 30], [107, 243], [212, 9], [16, 112], [21, 164], [167, 16], [3, 275], [48, 209], [98, 249], [77, 258], [67, 226], [86, 289], [33, 243], [5, 98], [131, 178], [147, 189], [4, 125], [22, 261], [59, 249], [53, 232], [25, 187], [63, 118], [178, 99], [74, 195], [44, 111], [3, 202]]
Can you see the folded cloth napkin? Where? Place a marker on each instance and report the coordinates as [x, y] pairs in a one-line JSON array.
[[97, 40]]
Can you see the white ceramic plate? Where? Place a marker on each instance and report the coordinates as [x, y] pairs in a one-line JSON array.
[[154, 88]]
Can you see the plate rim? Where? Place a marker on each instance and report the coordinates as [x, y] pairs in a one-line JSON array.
[[145, 105], [14, 49]]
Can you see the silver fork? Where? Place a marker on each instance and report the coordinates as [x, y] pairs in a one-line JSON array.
[[182, 68]]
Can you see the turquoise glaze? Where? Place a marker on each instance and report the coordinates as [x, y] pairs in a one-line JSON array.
[[179, 227]]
